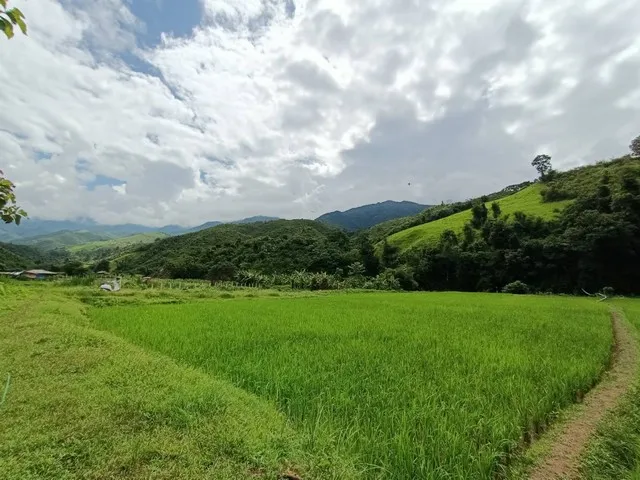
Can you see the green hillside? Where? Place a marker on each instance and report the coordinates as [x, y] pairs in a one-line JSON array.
[[19, 257], [63, 239], [528, 200], [117, 243], [280, 246]]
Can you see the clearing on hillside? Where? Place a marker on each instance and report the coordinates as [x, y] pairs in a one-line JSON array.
[[528, 200], [410, 385]]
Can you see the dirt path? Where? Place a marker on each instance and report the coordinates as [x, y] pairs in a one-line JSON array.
[[563, 461]]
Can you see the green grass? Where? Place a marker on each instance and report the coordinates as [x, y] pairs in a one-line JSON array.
[[615, 451], [410, 385], [527, 200], [122, 242], [84, 404]]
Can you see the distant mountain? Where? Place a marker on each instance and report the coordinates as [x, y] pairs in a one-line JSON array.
[[367, 216], [33, 230], [62, 239], [256, 219]]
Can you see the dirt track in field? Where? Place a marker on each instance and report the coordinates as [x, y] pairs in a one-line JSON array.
[[564, 457]]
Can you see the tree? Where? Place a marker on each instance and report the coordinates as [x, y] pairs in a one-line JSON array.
[[221, 272], [495, 209], [635, 146], [542, 164], [369, 259], [390, 255], [9, 211], [9, 18], [102, 266]]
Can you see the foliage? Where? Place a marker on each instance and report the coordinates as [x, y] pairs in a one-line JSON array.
[[409, 386], [102, 266], [635, 146], [516, 288], [10, 212], [594, 242], [10, 17], [542, 164]]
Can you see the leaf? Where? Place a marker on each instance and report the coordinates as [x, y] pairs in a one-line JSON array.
[[3, 3], [6, 27], [17, 219], [17, 12], [22, 25]]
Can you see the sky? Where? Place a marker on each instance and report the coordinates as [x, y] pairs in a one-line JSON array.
[[180, 112]]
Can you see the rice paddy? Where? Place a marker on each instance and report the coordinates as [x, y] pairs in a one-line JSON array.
[[429, 386]]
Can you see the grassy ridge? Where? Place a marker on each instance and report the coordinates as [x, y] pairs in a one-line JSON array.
[[415, 386], [527, 200], [85, 404]]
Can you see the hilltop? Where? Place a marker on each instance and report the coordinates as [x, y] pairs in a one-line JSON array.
[[367, 216]]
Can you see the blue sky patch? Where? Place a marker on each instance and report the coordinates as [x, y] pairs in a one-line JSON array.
[[175, 17], [41, 156], [103, 180]]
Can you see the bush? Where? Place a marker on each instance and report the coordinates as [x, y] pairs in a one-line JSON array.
[[516, 288]]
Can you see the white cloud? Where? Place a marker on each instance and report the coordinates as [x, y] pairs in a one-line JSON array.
[[266, 111]]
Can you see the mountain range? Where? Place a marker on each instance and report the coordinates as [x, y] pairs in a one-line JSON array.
[[50, 234]]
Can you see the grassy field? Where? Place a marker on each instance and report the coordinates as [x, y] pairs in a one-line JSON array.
[[403, 385], [122, 242], [527, 200]]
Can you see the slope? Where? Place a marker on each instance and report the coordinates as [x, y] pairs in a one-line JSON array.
[[279, 246], [20, 257], [62, 239], [528, 200], [367, 216], [117, 243]]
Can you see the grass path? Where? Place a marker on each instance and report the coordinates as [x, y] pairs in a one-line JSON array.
[[563, 462]]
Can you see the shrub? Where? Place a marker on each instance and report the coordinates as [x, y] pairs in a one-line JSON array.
[[516, 288]]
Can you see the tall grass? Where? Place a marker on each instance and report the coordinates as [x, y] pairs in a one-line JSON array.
[[413, 385]]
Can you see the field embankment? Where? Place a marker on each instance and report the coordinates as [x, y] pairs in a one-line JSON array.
[[85, 404]]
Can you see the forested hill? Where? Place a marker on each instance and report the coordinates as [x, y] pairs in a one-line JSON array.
[[367, 216], [279, 246], [18, 257], [567, 231]]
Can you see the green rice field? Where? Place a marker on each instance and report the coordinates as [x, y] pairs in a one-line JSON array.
[[429, 386], [527, 200]]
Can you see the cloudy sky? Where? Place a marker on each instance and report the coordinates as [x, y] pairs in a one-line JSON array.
[[184, 111]]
